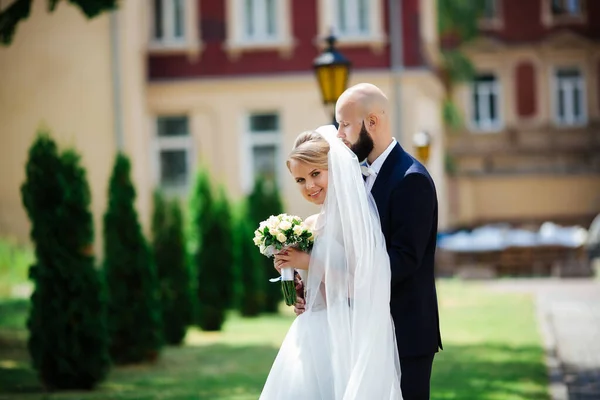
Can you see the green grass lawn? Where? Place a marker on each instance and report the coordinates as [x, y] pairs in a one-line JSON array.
[[14, 266], [491, 340]]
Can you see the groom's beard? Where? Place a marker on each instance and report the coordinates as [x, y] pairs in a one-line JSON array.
[[364, 145]]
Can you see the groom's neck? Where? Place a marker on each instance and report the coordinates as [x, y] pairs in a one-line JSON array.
[[379, 147]]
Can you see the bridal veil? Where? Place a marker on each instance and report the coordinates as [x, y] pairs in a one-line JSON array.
[[343, 346]]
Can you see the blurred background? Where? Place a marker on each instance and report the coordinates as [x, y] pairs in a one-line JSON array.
[[500, 99]]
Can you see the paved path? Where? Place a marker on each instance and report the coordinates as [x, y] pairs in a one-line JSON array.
[[569, 316]]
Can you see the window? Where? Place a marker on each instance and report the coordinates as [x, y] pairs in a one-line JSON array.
[[490, 9], [491, 15], [355, 23], [169, 21], [485, 103], [264, 147], [258, 25], [174, 155], [566, 8], [352, 18], [561, 12], [569, 97], [260, 20], [174, 28]]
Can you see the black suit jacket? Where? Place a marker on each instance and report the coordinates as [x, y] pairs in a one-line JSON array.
[[407, 203]]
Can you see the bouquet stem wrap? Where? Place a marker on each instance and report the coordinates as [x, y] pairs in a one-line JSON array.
[[288, 286]]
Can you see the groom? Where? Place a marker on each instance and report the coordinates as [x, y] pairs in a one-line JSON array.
[[407, 203]]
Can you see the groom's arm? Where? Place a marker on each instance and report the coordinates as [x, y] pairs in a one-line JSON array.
[[412, 209]]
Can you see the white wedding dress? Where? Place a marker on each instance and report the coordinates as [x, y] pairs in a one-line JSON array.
[[343, 347]]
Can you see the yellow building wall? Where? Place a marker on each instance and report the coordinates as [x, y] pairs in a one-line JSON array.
[[217, 109], [56, 74], [525, 197]]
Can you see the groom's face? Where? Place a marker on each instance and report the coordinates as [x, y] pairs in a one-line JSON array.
[[364, 145], [352, 130]]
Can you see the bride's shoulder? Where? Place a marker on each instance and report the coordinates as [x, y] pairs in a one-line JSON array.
[[310, 221]]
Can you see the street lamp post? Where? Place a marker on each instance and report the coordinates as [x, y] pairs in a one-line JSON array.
[[332, 70]]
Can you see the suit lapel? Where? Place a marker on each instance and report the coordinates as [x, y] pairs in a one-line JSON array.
[[385, 173]]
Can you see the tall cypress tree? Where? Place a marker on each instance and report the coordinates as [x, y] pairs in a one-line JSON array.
[[134, 299], [68, 338], [263, 202], [200, 208], [172, 267], [215, 266], [250, 279], [210, 244]]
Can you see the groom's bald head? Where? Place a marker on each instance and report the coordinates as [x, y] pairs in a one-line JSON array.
[[362, 110], [367, 98]]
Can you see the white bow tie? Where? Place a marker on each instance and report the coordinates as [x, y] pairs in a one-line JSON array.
[[367, 171]]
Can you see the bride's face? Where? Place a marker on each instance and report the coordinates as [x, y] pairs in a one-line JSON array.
[[311, 181]]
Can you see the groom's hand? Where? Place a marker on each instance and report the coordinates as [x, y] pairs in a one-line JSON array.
[[300, 306]]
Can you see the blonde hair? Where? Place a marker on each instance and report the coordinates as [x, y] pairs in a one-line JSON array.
[[311, 148]]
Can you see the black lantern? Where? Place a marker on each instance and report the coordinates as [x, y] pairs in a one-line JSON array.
[[332, 70]]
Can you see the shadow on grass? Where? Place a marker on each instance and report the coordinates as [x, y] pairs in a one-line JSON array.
[[483, 372], [189, 372], [489, 371], [13, 313], [218, 371]]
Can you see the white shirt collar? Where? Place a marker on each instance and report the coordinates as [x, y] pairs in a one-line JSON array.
[[378, 163]]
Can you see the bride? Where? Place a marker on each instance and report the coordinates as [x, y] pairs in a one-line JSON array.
[[343, 346]]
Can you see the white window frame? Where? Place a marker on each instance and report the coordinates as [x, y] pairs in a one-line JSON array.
[[352, 18], [260, 22], [566, 4], [549, 19], [264, 138], [570, 119], [486, 124], [496, 21], [237, 40], [190, 41], [161, 143], [374, 38]]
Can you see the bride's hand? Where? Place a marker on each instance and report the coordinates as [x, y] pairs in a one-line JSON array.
[[292, 258]]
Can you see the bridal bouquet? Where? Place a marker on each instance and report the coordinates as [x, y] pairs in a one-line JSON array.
[[277, 233]]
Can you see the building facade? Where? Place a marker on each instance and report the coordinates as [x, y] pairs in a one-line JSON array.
[[530, 147], [226, 84]]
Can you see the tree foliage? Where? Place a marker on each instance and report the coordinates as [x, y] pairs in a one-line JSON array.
[[263, 202], [134, 299], [251, 280], [213, 253], [457, 23], [19, 10], [168, 245], [68, 338]]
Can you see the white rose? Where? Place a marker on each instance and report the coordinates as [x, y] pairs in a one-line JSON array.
[[285, 225], [257, 241], [298, 229], [281, 237], [273, 231], [263, 248]]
